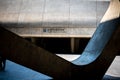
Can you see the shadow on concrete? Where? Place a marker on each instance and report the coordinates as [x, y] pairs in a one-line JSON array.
[[108, 77]]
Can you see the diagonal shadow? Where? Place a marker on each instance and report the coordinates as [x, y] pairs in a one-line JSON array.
[[108, 77]]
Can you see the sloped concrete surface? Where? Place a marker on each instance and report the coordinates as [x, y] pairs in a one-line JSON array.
[[15, 71]]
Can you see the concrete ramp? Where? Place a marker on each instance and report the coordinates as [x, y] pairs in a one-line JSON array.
[[93, 63]]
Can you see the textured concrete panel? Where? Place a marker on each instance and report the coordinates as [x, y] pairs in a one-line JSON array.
[[31, 11], [59, 15], [82, 11], [56, 13], [10, 6]]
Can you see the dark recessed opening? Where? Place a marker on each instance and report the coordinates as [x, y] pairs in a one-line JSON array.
[[55, 45], [61, 45]]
